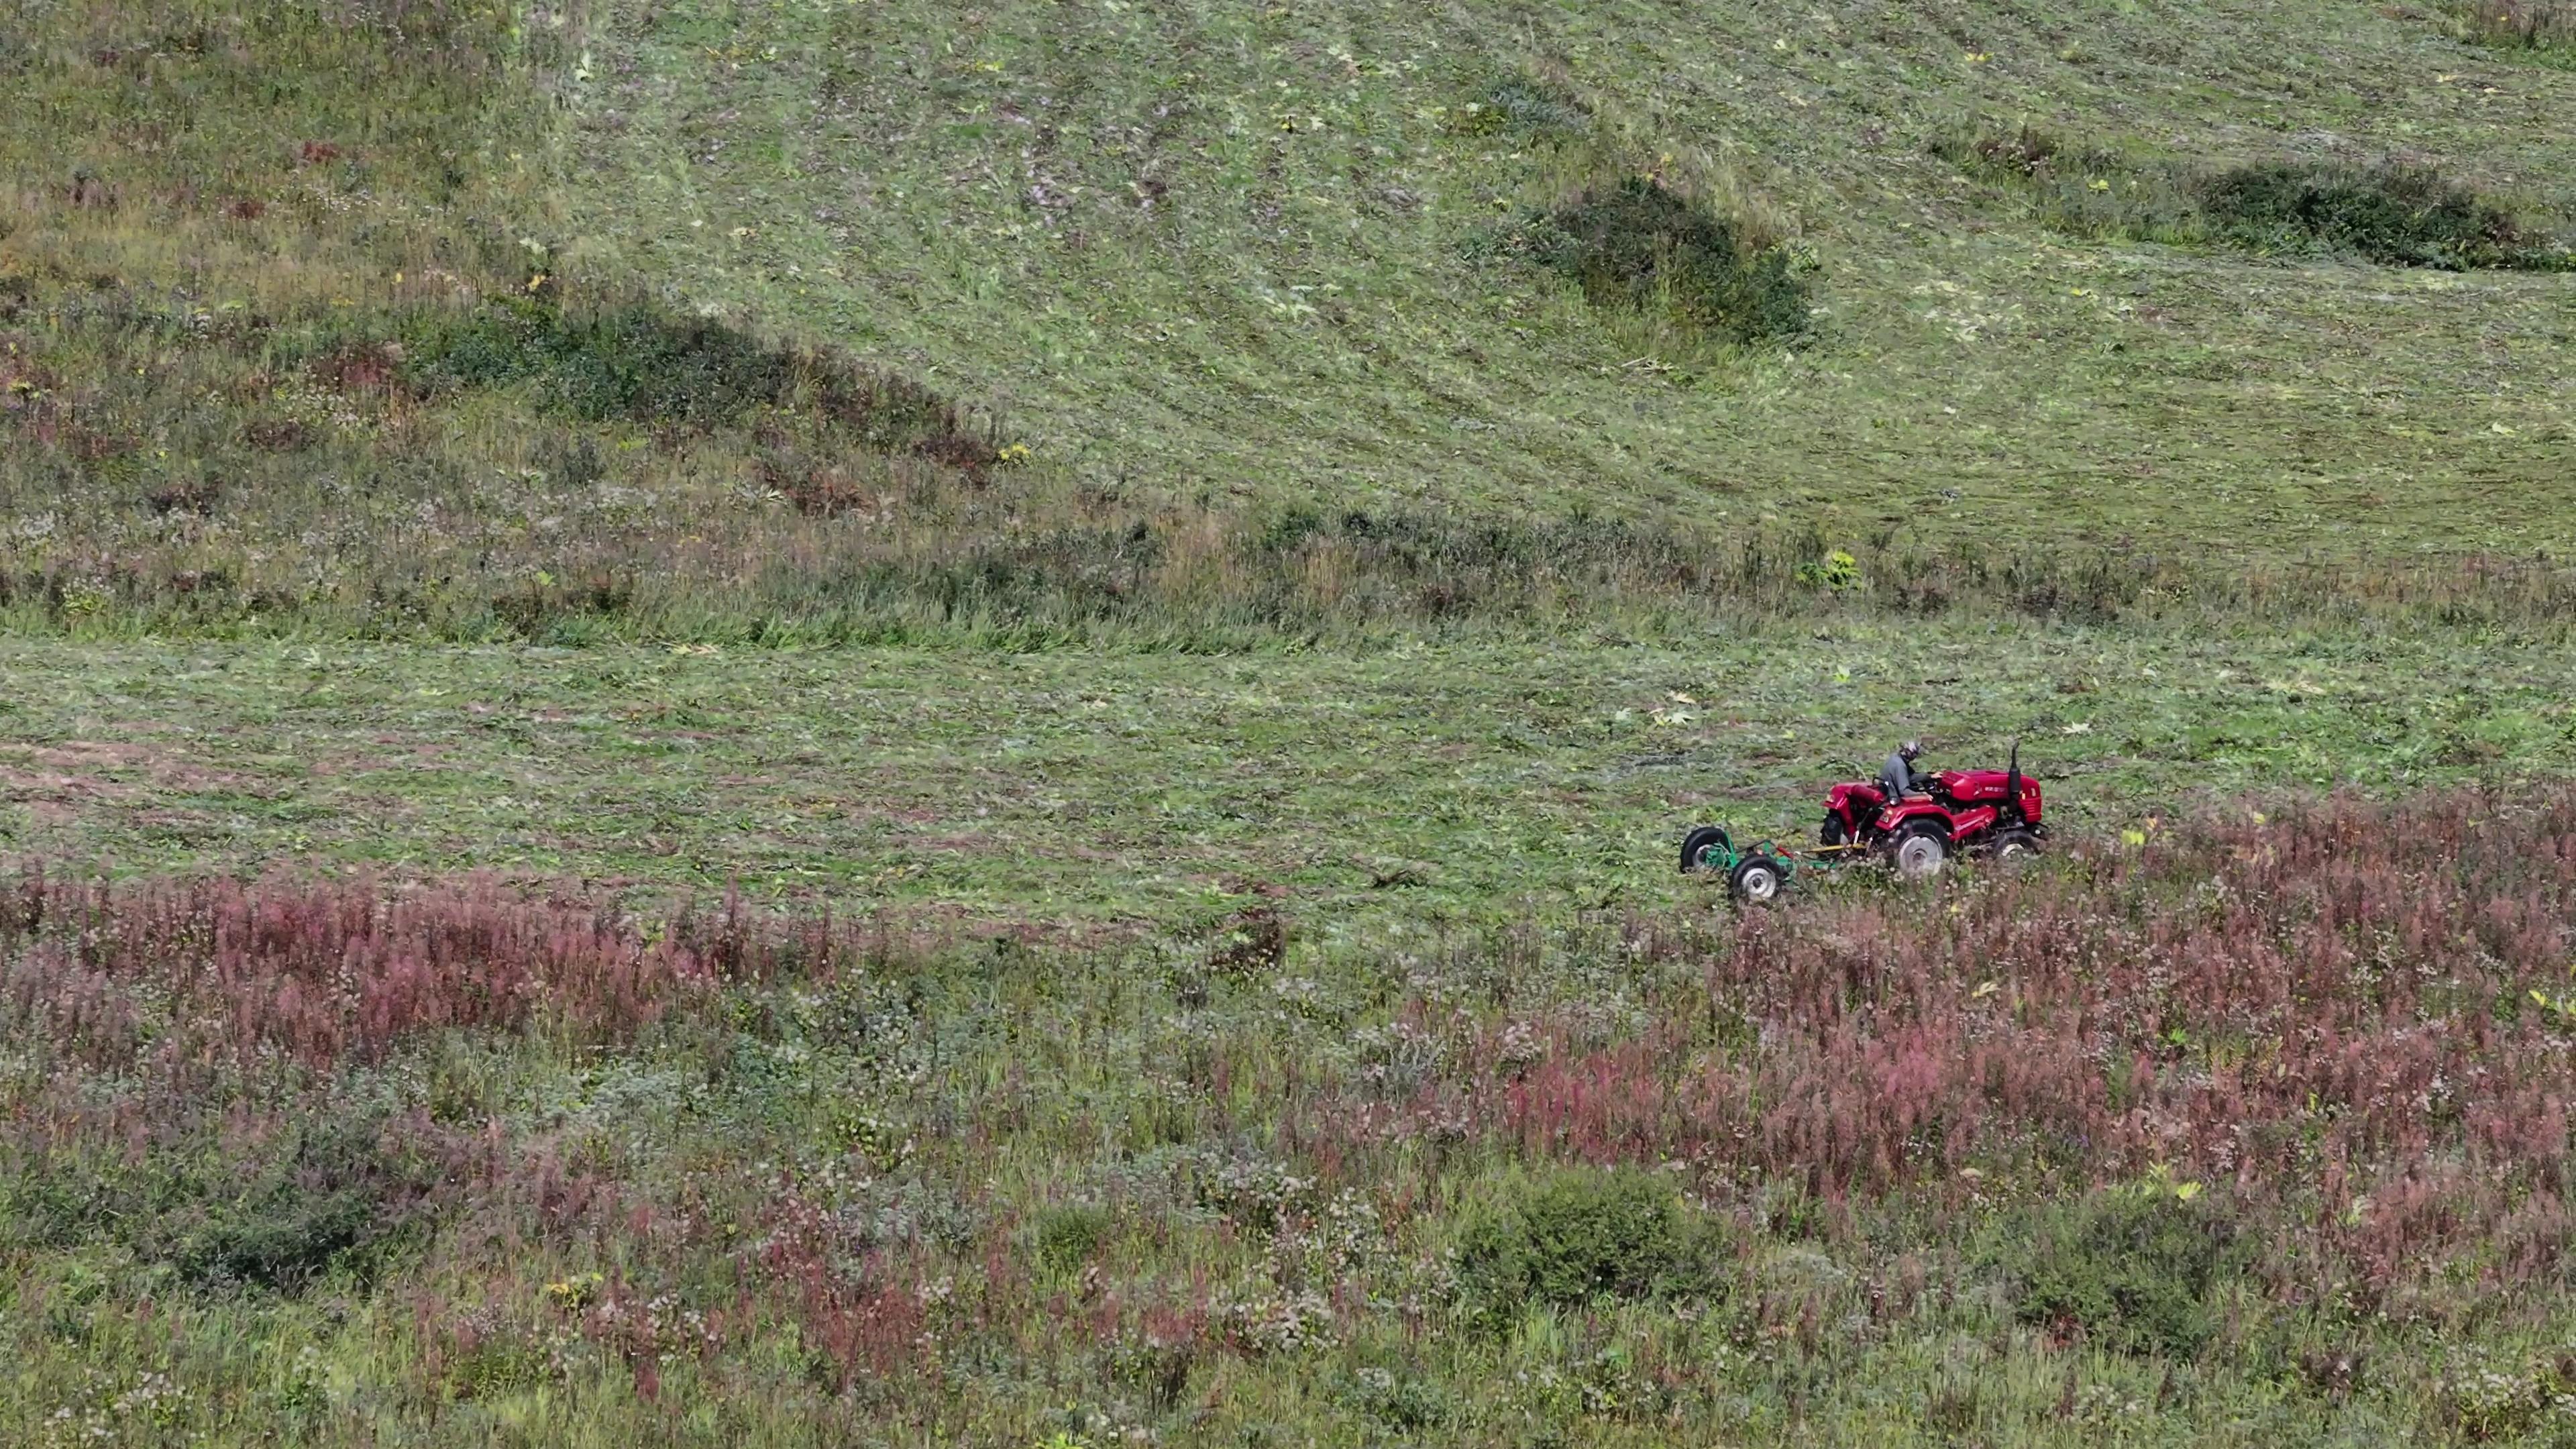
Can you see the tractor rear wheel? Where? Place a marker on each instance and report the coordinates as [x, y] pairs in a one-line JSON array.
[[1832, 833], [1757, 880], [1919, 851]]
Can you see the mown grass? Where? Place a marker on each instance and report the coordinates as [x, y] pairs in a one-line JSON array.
[[1095, 220], [275, 365], [1104, 790]]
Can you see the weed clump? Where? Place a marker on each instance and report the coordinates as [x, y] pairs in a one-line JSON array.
[[1585, 1236], [2547, 26], [2130, 1268], [1643, 247], [2025, 152], [2397, 216], [1526, 108], [1069, 1235], [332, 1203], [1397, 1398], [2406, 216], [637, 362]]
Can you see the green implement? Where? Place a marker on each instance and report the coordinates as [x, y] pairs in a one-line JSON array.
[[1758, 873]]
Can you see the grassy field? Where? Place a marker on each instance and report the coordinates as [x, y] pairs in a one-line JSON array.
[[886, 723], [1093, 789], [741, 324], [1223, 246]]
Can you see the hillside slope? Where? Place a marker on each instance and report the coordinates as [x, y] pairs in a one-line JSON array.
[[1229, 247]]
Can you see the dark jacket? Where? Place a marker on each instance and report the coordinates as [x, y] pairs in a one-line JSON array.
[[1896, 778]]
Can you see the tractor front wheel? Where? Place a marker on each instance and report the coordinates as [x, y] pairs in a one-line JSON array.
[[1919, 851], [2014, 847]]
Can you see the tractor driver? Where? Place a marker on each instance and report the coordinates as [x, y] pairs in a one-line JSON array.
[[1898, 777]]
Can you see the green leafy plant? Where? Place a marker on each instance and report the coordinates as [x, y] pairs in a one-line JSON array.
[[1586, 1235], [2395, 215], [2129, 1268], [1638, 245], [1528, 108], [1835, 572], [1069, 1235]]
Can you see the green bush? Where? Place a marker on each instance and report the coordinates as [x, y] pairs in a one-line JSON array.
[[1641, 246], [2399, 216], [1585, 1236], [1069, 1235], [2132, 1268], [2403, 216], [636, 362], [332, 1202], [330, 1195]]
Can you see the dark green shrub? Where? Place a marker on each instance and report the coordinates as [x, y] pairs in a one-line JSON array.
[[1583, 1236], [637, 362], [1396, 1397], [2399, 216], [334, 1195], [2393, 215], [1641, 246], [331, 1202], [1069, 1235], [2132, 1268]]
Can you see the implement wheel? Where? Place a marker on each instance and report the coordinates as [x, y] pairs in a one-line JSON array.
[[1707, 849], [1757, 880]]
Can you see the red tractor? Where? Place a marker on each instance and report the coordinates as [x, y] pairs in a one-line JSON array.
[[1992, 813]]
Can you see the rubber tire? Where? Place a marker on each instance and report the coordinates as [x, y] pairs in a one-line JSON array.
[[1697, 842], [2013, 845], [1831, 833], [1757, 880], [1921, 830]]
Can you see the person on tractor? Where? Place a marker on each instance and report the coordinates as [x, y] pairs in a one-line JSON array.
[[1898, 778]]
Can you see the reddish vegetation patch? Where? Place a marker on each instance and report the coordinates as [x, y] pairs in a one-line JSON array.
[[88, 771], [316, 153], [58, 781], [826, 490], [2356, 1020], [89, 193], [203, 967], [371, 367], [278, 435], [964, 452]]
